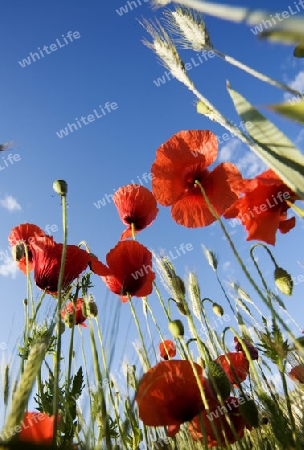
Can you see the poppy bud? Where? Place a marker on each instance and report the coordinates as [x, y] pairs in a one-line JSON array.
[[18, 252], [218, 379], [218, 309], [60, 187], [176, 328], [250, 413], [283, 281]]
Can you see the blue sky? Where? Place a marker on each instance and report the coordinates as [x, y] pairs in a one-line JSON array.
[[105, 61]]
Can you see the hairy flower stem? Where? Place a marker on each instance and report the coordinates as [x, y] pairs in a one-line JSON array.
[[147, 363], [68, 381], [104, 429], [58, 328], [240, 261]]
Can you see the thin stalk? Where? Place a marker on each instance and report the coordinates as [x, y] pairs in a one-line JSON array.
[[68, 381], [105, 429], [139, 332], [59, 307], [254, 72]]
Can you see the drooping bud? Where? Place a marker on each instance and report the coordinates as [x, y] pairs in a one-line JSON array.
[[218, 309], [218, 379], [283, 281], [176, 328], [250, 412], [18, 252], [60, 187]]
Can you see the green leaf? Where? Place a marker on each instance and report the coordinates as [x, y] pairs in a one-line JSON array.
[[299, 51], [292, 109], [283, 36], [77, 384], [271, 145]]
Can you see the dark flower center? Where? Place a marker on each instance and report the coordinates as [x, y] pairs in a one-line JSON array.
[[193, 174]]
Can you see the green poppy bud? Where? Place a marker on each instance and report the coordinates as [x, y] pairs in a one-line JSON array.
[[283, 281], [218, 309], [250, 412], [176, 328], [60, 187]]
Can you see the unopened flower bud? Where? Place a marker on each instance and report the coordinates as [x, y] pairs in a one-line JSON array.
[[218, 309], [250, 413], [60, 187], [176, 328], [283, 281], [18, 252]]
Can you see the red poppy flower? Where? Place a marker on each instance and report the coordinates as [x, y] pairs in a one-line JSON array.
[[218, 417], [25, 233], [297, 374], [129, 270], [168, 394], [181, 161], [37, 428], [47, 262], [67, 314], [236, 367], [253, 351], [136, 205], [263, 208], [167, 348]]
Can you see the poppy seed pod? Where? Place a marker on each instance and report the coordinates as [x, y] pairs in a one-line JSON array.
[[176, 328], [283, 281], [60, 187]]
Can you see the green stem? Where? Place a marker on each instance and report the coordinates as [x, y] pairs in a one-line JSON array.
[[105, 429], [58, 328], [147, 363], [255, 73]]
